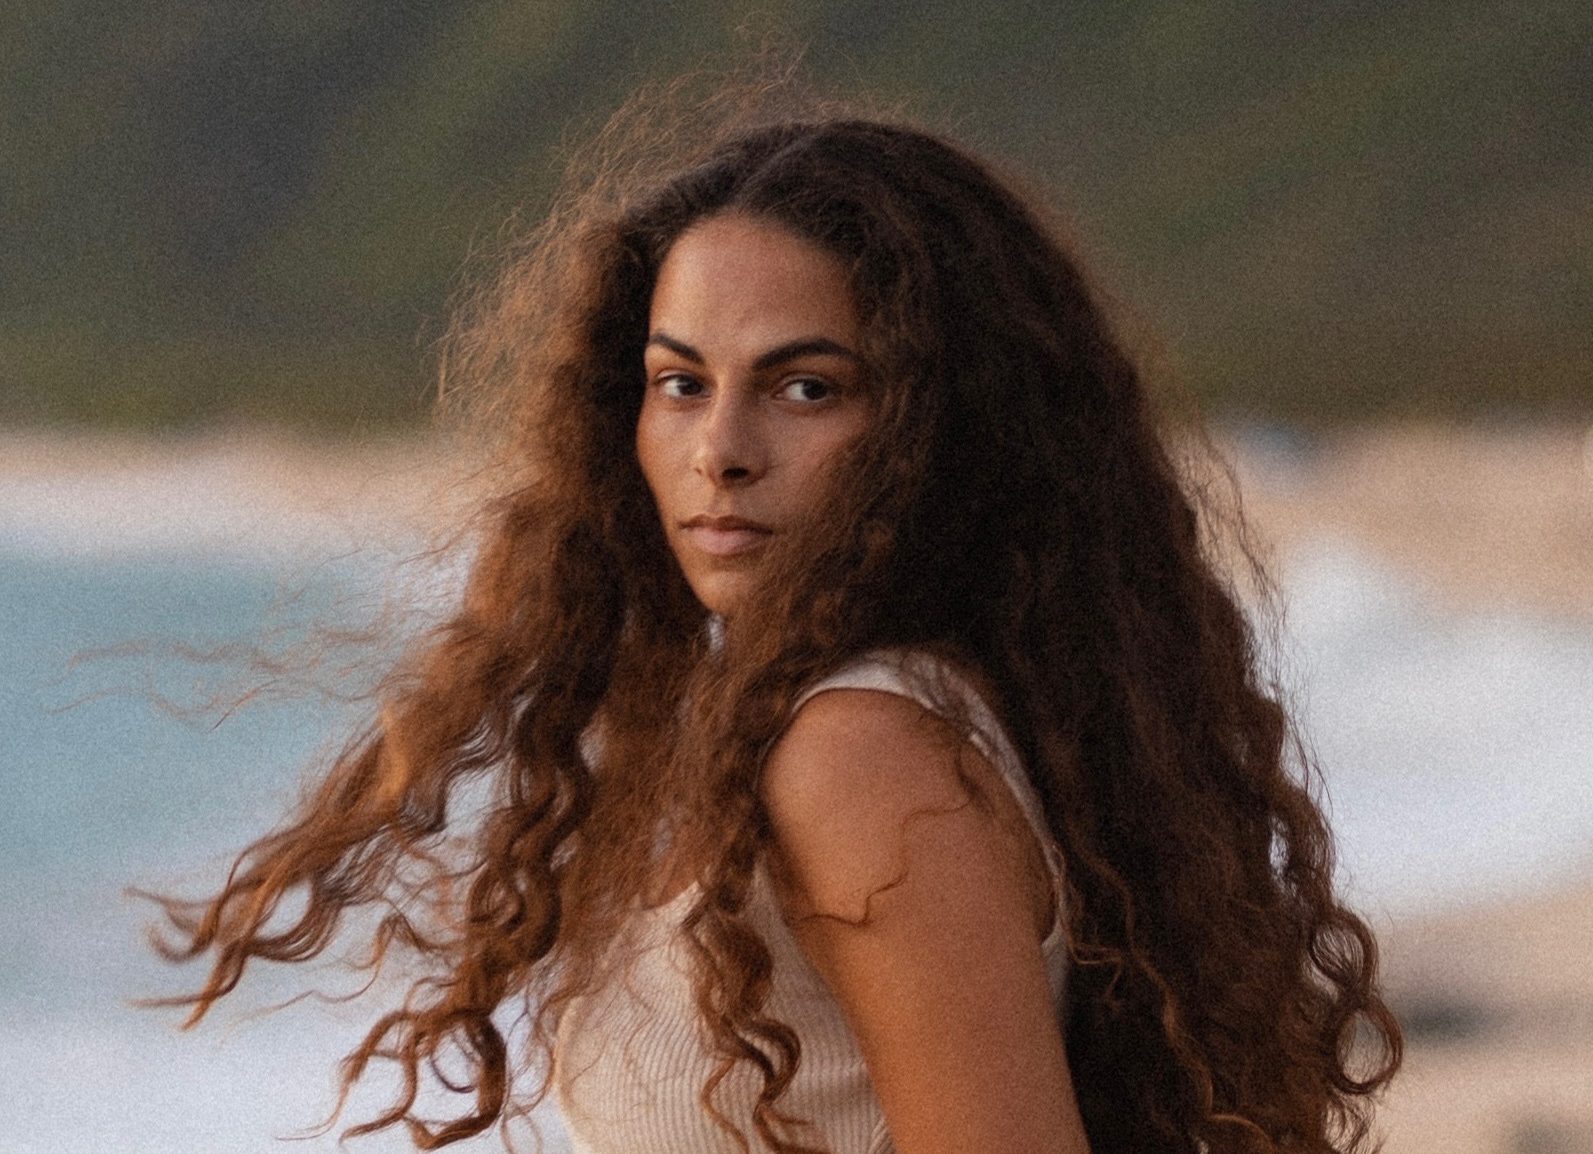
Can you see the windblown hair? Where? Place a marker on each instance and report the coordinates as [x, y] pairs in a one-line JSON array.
[[1014, 506]]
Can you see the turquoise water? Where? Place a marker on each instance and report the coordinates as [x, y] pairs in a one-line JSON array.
[[104, 788], [1456, 752]]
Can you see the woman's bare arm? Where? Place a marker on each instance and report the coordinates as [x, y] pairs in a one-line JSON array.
[[918, 907]]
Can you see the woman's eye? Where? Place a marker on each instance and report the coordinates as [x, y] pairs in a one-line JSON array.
[[807, 389], [679, 385]]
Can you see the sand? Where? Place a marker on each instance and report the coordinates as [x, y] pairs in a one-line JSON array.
[[1484, 519], [1498, 1006], [217, 494]]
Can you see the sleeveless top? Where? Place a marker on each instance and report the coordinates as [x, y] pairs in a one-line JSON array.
[[630, 1061]]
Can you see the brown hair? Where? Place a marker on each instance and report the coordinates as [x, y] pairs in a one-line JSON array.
[[1014, 506]]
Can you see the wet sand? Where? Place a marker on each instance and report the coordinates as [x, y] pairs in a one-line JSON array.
[[1498, 1007]]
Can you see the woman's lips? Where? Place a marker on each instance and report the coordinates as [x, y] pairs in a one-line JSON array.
[[725, 536]]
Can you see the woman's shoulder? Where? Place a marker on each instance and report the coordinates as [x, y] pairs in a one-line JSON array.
[[877, 754], [846, 779], [874, 713], [951, 701], [881, 731]]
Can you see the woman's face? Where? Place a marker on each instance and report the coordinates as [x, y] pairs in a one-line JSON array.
[[754, 391]]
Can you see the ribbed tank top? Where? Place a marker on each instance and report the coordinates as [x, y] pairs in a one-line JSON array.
[[630, 1061]]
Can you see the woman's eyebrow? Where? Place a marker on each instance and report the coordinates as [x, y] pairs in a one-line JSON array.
[[804, 347], [679, 348], [790, 351]]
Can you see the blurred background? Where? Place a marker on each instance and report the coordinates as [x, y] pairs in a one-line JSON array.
[[1358, 235]]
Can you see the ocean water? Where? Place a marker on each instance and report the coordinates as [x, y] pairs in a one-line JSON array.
[[1455, 751]]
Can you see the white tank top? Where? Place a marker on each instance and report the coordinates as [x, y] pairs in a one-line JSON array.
[[630, 1061]]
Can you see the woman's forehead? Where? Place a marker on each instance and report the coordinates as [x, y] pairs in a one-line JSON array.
[[741, 282]]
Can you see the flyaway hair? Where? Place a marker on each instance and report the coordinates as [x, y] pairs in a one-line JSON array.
[[1014, 508]]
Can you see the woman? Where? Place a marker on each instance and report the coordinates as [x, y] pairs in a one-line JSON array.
[[876, 759]]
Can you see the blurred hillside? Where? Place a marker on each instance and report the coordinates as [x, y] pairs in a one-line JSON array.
[[231, 210]]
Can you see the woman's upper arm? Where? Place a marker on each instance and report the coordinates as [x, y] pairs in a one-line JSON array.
[[912, 903]]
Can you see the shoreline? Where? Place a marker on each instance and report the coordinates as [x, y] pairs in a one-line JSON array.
[[1485, 520], [253, 497]]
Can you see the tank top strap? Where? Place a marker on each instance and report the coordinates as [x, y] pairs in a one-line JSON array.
[[937, 685]]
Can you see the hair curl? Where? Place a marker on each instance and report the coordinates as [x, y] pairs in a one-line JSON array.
[[1014, 506]]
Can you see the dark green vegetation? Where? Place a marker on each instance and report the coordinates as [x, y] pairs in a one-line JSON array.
[[223, 209]]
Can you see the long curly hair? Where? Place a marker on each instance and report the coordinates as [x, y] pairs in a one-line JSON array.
[[1015, 506]]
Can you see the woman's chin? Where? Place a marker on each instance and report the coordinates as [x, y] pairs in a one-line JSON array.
[[721, 592]]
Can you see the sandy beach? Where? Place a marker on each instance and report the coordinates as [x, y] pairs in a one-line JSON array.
[[1483, 519], [1498, 1006], [216, 493]]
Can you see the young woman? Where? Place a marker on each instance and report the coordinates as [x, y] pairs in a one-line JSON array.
[[876, 759]]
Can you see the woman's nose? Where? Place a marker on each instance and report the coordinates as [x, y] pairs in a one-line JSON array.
[[730, 447]]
